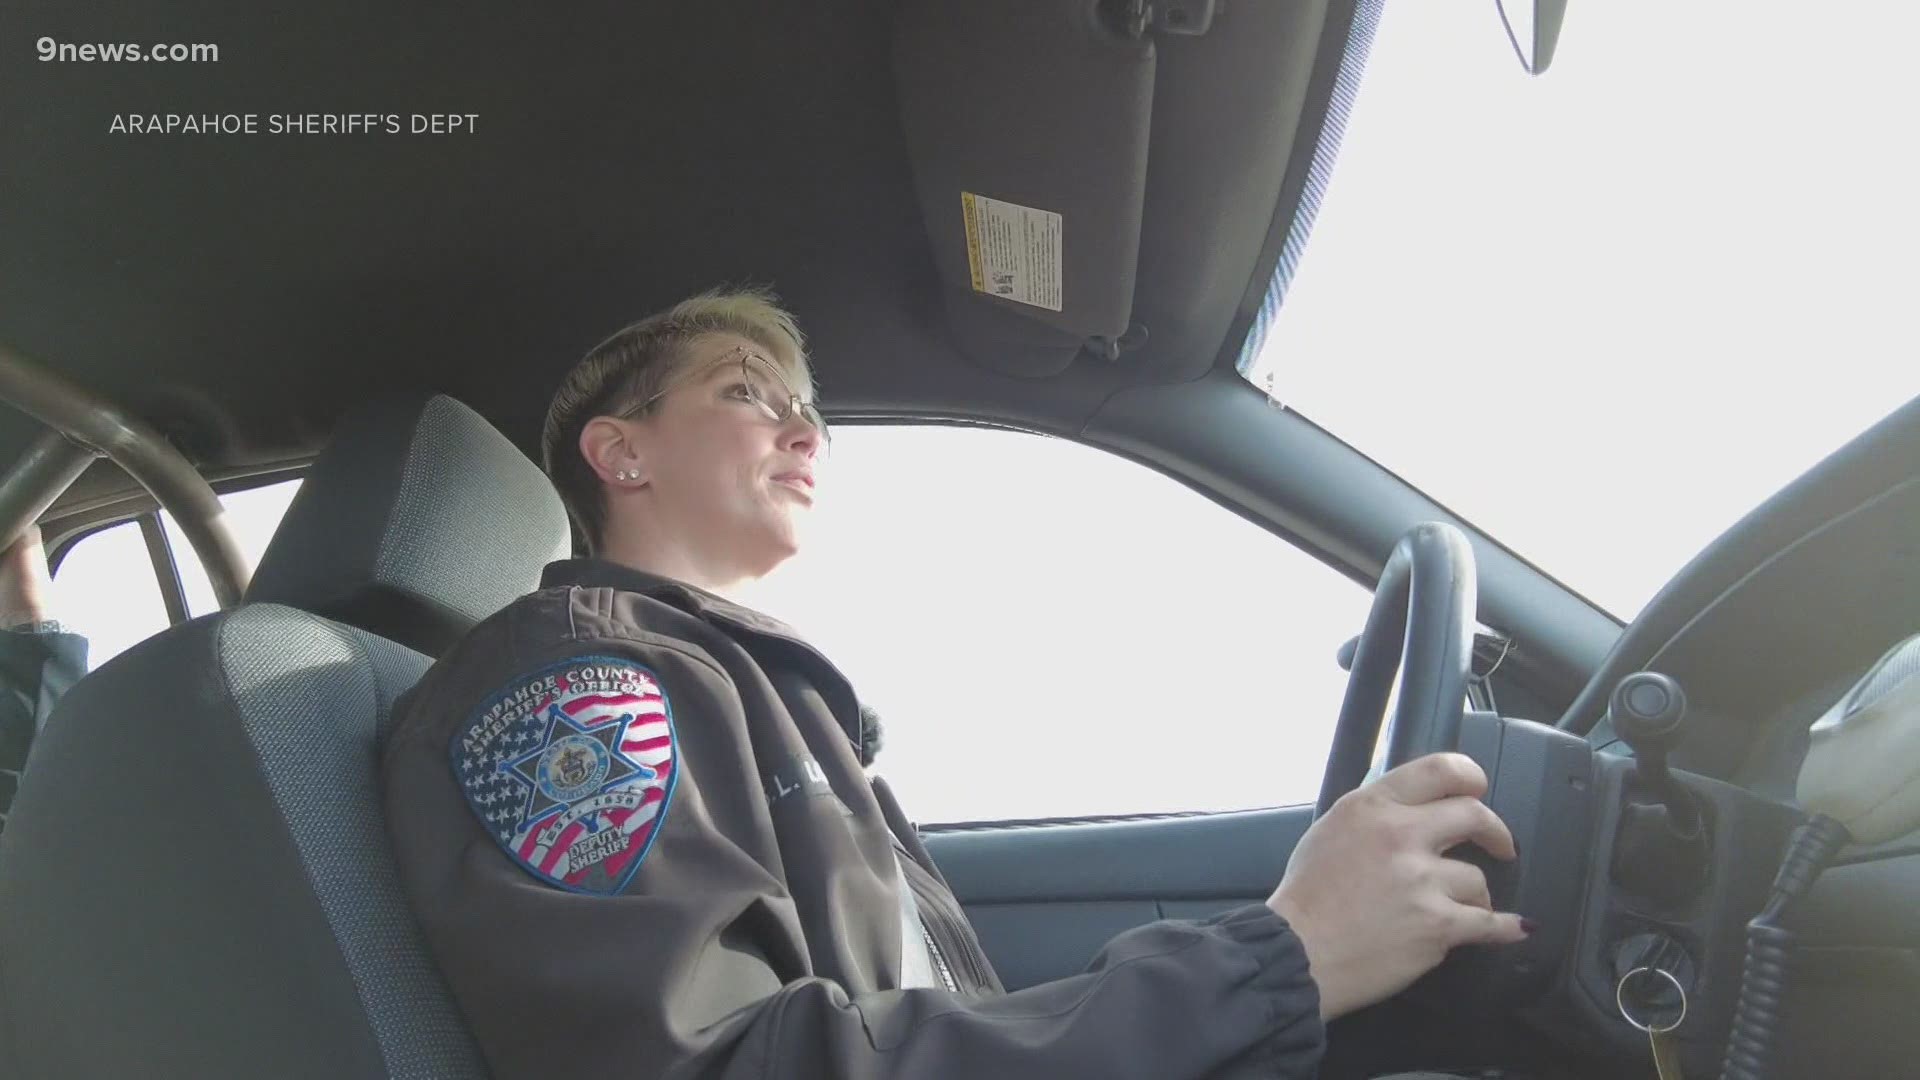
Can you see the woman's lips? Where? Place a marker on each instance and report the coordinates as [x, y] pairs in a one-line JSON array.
[[798, 481]]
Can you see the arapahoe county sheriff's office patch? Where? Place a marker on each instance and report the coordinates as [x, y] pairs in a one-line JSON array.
[[571, 769]]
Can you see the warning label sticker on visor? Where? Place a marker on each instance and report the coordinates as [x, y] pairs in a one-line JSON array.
[[1013, 251]]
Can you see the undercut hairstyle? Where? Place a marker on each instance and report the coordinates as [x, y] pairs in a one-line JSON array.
[[642, 360]]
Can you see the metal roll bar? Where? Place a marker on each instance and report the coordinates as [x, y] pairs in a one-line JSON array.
[[79, 416], [49, 468]]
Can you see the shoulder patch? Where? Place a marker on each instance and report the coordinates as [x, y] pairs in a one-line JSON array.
[[571, 769]]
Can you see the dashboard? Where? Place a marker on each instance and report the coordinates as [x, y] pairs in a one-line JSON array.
[[1766, 630]]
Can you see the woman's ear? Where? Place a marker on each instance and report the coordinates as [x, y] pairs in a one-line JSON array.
[[613, 452]]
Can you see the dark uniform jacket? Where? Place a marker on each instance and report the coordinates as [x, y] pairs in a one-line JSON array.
[[37, 667], [633, 821]]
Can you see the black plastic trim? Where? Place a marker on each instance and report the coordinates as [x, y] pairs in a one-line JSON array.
[[165, 570]]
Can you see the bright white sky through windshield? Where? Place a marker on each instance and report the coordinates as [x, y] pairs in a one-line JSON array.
[[1603, 313]]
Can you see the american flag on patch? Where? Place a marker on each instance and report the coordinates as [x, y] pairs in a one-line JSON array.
[[648, 737], [571, 770]]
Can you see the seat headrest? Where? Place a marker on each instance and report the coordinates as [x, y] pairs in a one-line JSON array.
[[417, 521]]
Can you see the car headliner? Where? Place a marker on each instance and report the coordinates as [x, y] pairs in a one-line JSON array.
[[242, 291]]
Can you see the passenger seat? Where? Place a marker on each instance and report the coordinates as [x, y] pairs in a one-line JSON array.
[[196, 880]]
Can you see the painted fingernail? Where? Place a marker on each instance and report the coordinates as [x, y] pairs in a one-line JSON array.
[[1528, 926]]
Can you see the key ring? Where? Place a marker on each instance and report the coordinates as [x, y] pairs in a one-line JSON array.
[[1620, 1001]]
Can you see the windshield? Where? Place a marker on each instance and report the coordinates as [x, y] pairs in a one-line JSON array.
[[1603, 313]]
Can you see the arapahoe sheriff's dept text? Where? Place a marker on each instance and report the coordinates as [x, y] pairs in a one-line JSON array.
[[294, 123]]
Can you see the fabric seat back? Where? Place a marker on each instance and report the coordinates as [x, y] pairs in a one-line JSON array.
[[196, 880]]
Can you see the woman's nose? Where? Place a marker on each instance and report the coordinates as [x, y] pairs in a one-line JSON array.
[[802, 437]]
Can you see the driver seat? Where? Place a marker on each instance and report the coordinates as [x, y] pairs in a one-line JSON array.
[[196, 879]]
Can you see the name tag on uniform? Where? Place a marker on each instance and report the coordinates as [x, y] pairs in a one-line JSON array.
[[800, 776]]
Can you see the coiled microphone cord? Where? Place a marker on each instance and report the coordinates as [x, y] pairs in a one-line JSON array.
[[1763, 988]]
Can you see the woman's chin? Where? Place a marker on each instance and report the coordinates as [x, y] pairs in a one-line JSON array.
[[776, 547]]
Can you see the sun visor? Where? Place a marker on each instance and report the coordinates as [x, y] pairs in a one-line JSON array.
[[1027, 123]]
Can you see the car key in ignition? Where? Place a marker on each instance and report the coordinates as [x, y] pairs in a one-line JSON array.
[[1638, 999]]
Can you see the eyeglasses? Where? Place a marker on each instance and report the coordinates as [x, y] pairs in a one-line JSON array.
[[761, 384]]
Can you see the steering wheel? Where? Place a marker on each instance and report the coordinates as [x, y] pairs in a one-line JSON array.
[[1421, 628]]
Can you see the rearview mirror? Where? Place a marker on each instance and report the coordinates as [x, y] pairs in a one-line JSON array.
[[1534, 28]]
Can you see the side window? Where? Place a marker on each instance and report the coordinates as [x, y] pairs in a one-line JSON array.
[[252, 514], [108, 586], [1048, 630], [105, 588]]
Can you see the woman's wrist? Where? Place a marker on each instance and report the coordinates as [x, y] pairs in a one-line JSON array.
[[24, 582]]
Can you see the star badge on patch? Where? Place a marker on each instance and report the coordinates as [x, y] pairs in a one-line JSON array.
[[571, 769]]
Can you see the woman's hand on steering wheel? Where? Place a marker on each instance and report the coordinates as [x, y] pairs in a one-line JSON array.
[[1370, 894]]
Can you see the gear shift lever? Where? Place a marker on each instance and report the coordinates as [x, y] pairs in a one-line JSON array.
[[1648, 711], [1661, 850]]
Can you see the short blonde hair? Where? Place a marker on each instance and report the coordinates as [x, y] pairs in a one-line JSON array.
[[640, 361]]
